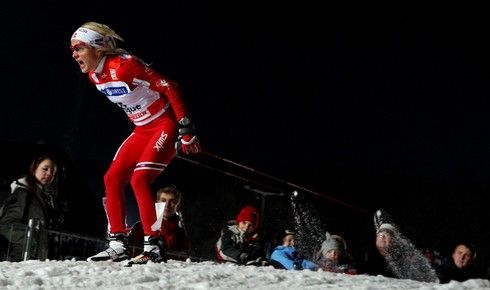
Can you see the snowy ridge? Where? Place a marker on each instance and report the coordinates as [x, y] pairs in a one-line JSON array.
[[191, 275]]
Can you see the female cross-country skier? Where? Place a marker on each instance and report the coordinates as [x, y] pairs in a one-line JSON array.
[[154, 104]]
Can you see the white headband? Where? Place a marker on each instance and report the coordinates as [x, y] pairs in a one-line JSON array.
[[90, 37]]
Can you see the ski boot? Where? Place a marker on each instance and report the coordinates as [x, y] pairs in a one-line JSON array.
[[153, 251], [117, 250]]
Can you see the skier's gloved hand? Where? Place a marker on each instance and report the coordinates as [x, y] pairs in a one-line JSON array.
[[187, 142]]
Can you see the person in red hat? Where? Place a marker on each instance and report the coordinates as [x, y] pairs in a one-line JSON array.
[[239, 241]]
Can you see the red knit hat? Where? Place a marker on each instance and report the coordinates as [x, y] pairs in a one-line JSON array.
[[248, 214]]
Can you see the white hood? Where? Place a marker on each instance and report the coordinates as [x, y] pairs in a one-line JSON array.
[[21, 182]]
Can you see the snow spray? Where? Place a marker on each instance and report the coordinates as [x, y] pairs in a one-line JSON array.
[[403, 258], [309, 232]]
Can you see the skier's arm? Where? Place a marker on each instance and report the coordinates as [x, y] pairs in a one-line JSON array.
[[134, 72], [187, 139], [169, 89]]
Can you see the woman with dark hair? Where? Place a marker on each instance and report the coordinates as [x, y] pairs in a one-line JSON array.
[[33, 198]]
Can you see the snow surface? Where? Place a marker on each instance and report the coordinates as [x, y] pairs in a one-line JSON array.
[[194, 275]]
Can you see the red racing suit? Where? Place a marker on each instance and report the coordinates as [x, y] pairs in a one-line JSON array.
[[154, 104]]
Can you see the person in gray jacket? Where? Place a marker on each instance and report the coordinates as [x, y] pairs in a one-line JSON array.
[[34, 198]]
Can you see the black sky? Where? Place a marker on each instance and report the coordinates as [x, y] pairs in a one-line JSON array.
[[373, 104]]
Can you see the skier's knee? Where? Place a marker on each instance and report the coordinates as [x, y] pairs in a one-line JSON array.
[[111, 179], [138, 180], [143, 178]]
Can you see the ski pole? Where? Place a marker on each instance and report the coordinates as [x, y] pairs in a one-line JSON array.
[[221, 171], [279, 180], [286, 182], [245, 167]]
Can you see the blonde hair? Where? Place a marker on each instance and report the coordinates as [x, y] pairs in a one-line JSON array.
[[111, 45]]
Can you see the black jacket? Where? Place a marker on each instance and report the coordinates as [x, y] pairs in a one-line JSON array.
[[24, 204], [234, 247], [448, 271]]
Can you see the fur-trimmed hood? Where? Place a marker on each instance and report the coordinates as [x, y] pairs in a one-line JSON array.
[[19, 183]]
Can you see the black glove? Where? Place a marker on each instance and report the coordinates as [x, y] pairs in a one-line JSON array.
[[187, 140]]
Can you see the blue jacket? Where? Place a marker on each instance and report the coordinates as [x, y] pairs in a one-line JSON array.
[[288, 258]]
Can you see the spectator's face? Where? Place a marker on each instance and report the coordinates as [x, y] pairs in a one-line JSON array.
[[246, 227], [462, 256], [383, 242], [332, 255], [171, 203], [45, 172], [288, 241]]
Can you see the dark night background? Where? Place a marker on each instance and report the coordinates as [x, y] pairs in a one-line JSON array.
[[376, 106]]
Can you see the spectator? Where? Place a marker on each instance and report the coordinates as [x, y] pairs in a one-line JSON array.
[[172, 229], [401, 259], [239, 241], [34, 198], [286, 257], [460, 266], [385, 239], [333, 256], [375, 263]]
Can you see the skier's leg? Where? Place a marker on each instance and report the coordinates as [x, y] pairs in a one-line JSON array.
[[115, 180], [141, 182], [157, 155], [152, 247]]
